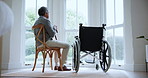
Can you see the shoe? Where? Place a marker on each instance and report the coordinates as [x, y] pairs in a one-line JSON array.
[[56, 68], [64, 68]]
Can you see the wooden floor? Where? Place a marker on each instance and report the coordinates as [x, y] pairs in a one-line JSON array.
[[83, 73], [137, 74]]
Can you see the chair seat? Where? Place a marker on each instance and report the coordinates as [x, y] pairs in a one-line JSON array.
[[50, 48]]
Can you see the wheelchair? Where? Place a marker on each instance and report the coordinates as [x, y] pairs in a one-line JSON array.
[[91, 42]]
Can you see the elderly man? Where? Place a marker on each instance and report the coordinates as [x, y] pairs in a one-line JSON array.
[[50, 32]]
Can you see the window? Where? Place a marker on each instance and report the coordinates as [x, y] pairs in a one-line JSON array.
[[115, 36], [31, 7], [76, 12]]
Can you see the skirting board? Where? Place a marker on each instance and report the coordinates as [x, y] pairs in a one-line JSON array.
[[135, 67], [11, 66], [140, 67]]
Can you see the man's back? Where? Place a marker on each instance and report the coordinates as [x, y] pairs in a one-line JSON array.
[[49, 32]]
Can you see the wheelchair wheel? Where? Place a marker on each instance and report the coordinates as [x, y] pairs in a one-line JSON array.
[[74, 59], [77, 56], [105, 56]]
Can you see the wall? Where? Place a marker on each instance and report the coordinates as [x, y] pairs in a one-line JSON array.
[[129, 58], [139, 14], [6, 44], [135, 24], [0, 54], [12, 42]]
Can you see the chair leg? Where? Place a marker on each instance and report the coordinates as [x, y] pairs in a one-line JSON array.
[[50, 55], [34, 64], [43, 61], [51, 63], [36, 56]]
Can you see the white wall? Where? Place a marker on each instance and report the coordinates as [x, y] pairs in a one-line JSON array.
[[136, 23], [129, 58], [0, 54], [139, 14], [12, 42], [6, 45]]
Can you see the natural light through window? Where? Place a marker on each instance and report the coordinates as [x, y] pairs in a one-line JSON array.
[[76, 12], [31, 7], [115, 36]]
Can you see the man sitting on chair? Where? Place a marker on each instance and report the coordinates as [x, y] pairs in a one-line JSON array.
[[50, 32]]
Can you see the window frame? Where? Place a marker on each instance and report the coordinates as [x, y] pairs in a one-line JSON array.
[[113, 27], [30, 29]]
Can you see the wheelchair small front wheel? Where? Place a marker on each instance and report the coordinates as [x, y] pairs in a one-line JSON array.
[[97, 67]]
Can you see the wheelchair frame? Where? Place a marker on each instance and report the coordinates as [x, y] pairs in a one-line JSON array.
[[104, 51]]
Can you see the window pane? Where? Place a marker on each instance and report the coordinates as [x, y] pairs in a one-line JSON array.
[[70, 36], [110, 40], [114, 17], [76, 12], [71, 14], [119, 45], [41, 3], [82, 12], [30, 17], [119, 11], [70, 39], [30, 12], [29, 46], [110, 12]]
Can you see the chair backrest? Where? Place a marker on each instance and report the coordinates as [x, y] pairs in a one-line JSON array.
[[41, 29]]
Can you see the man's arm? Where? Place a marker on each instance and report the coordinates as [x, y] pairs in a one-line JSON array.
[[49, 28]]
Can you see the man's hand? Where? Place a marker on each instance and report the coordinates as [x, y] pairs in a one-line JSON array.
[[55, 28]]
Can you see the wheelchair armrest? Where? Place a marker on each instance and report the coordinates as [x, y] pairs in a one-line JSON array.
[[103, 25], [76, 37]]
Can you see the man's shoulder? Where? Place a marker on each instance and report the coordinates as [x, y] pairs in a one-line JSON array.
[[43, 18]]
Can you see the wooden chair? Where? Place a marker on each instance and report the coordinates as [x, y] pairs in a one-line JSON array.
[[45, 49]]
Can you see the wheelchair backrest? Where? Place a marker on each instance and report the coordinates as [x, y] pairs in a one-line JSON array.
[[90, 38]]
